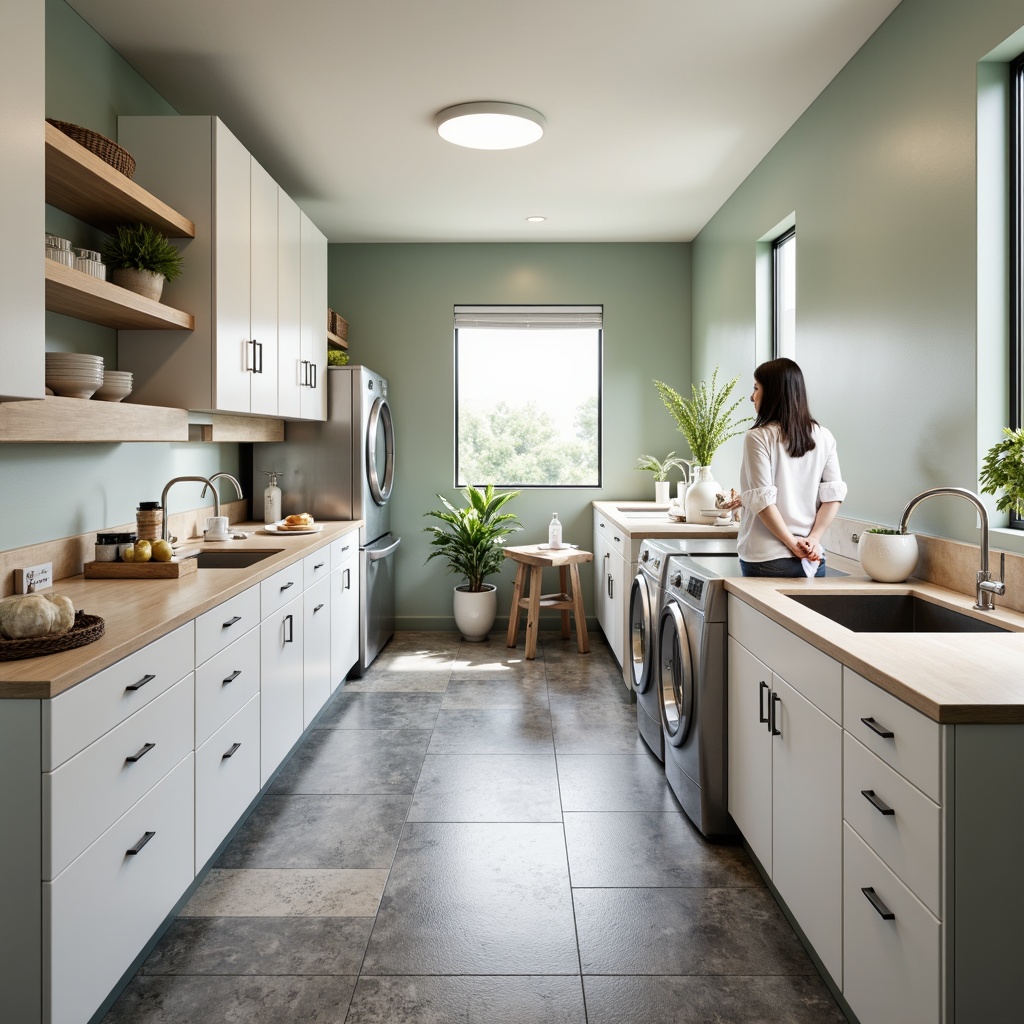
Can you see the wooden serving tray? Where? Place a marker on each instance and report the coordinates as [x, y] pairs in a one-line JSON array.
[[140, 570]]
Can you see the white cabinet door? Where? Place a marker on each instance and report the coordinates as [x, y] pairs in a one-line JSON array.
[[280, 684], [313, 324], [750, 751], [289, 308], [316, 655], [345, 613], [263, 275]]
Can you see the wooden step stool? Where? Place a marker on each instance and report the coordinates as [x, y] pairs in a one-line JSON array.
[[535, 558]]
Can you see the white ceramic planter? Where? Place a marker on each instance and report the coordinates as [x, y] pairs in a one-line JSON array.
[[142, 282], [662, 492], [701, 495], [887, 557], [475, 612]]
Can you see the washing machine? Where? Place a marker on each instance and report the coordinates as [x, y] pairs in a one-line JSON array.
[[646, 600], [691, 684]]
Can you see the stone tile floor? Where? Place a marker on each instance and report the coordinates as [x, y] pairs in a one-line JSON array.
[[466, 836]]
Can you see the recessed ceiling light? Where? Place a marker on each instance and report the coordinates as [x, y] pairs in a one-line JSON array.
[[489, 125], [535, 220]]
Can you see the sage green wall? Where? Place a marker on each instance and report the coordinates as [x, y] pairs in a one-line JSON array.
[[398, 300], [880, 172], [58, 490]]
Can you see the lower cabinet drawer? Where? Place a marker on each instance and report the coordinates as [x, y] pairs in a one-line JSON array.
[[224, 624], [225, 683], [227, 778], [103, 909], [892, 967]]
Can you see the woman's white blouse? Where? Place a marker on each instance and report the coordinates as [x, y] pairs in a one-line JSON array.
[[769, 475]]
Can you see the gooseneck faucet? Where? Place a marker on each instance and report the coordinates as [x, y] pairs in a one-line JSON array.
[[986, 588], [228, 476], [181, 479]]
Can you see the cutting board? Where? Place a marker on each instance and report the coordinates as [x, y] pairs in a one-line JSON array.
[[140, 570]]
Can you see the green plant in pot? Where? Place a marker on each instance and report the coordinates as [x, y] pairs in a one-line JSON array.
[[141, 259], [661, 470], [471, 538]]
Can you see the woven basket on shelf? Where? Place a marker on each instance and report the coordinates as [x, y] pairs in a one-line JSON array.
[[106, 149], [86, 629]]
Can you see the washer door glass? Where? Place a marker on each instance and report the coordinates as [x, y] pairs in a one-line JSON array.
[[380, 451], [642, 638], [675, 675]]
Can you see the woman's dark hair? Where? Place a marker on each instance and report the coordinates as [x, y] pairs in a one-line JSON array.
[[784, 401]]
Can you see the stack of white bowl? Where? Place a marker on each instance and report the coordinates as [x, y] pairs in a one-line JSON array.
[[73, 374], [117, 384]]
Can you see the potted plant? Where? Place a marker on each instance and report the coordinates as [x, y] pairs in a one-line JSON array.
[[706, 424], [471, 539], [887, 556], [1003, 470], [141, 259], [661, 470]]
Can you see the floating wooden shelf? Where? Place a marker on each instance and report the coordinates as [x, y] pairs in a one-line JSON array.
[[333, 341], [78, 419], [82, 184], [75, 293], [227, 427]]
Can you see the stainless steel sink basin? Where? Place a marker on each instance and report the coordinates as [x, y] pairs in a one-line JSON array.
[[232, 559], [894, 613]]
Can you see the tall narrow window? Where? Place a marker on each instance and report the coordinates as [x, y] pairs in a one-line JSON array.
[[1017, 246], [784, 295], [528, 396]]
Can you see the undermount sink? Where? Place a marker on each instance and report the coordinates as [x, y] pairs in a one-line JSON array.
[[232, 559], [894, 613]]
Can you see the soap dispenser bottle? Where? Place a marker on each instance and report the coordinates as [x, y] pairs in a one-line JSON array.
[[554, 532], [271, 499]]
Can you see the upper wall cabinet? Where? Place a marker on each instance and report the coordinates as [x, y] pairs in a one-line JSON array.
[[243, 275]]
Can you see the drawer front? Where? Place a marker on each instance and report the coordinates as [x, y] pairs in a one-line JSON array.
[[614, 537], [77, 717], [104, 908], [892, 969], [344, 548], [92, 790], [913, 745], [277, 591], [227, 778], [224, 624], [898, 822], [225, 683], [316, 566], [809, 671]]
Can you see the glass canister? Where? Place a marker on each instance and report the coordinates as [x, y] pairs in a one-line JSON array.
[[90, 262], [59, 250], [149, 520]]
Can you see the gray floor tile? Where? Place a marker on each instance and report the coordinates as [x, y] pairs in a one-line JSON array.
[[321, 831], [352, 709], [583, 727], [690, 1000], [580, 679], [487, 787], [685, 931], [476, 899], [495, 692], [191, 999], [359, 761], [502, 731], [614, 782], [493, 658], [261, 946], [650, 849], [406, 680], [441, 1000]]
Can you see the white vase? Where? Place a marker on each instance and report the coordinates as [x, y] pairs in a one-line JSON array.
[[662, 492], [700, 496], [475, 612], [142, 282], [887, 557]]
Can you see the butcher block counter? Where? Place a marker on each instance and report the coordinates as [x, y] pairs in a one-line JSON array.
[[136, 612], [644, 520]]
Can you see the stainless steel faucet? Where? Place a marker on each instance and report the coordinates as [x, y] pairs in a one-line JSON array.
[[181, 479], [228, 476], [986, 588]]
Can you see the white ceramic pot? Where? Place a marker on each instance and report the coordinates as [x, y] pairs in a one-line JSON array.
[[142, 282], [475, 612], [700, 495], [662, 492], [887, 557]]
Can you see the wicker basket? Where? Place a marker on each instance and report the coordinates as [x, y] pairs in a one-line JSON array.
[[110, 152], [341, 327], [86, 629]]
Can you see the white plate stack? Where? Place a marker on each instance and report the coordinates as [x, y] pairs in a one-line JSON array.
[[74, 374], [117, 384]]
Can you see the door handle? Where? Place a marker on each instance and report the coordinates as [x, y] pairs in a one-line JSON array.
[[878, 730], [873, 898], [290, 622], [234, 675], [762, 715], [376, 554], [140, 753], [773, 715], [231, 752], [879, 804], [147, 678], [132, 850]]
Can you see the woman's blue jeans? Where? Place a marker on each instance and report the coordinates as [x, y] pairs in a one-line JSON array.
[[790, 566]]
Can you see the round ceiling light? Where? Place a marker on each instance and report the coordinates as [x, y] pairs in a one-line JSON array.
[[489, 125]]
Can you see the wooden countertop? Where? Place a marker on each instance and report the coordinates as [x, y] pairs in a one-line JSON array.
[[963, 678], [137, 612], [643, 520]]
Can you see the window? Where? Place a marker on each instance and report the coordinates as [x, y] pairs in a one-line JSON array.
[[528, 396], [784, 295], [1016, 373]]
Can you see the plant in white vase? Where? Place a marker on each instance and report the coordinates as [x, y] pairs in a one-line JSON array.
[[661, 470], [706, 423], [887, 556]]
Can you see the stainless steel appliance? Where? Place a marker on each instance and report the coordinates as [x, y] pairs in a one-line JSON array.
[[344, 469]]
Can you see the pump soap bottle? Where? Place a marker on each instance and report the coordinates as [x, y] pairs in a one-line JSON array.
[[271, 499], [554, 532]]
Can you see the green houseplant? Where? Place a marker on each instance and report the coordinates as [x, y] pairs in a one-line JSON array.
[[471, 538], [661, 470], [141, 259], [1003, 470]]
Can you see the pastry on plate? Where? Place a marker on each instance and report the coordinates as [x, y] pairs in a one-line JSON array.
[[301, 521]]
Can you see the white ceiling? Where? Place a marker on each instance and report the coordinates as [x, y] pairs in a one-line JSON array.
[[656, 109]]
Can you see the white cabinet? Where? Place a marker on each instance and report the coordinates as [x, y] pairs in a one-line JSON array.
[[344, 607], [289, 307], [313, 323], [612, 581], [316, 654]]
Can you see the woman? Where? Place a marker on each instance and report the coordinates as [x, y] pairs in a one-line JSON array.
[[790, 484]]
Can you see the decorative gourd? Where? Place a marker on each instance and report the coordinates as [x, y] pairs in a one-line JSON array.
[[25, 616], [64, 612]]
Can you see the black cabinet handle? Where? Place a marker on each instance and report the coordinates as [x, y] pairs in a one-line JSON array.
[[287, 585], [232, 621], [319, 565], [883, 911], [234, 675], [131, 851], [880, 730], [259, 352], [147, 678], [318, 607], [230, 753], [312, 366], [762, 716], [879, 805], [345, 548], [289, 619], [140, 753], [348, 579], [773, 714]]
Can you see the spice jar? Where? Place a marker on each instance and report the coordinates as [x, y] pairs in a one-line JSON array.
[[124, 540], [106, 547], [149, 520]]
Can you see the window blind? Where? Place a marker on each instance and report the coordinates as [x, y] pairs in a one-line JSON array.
[[526, 318]]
